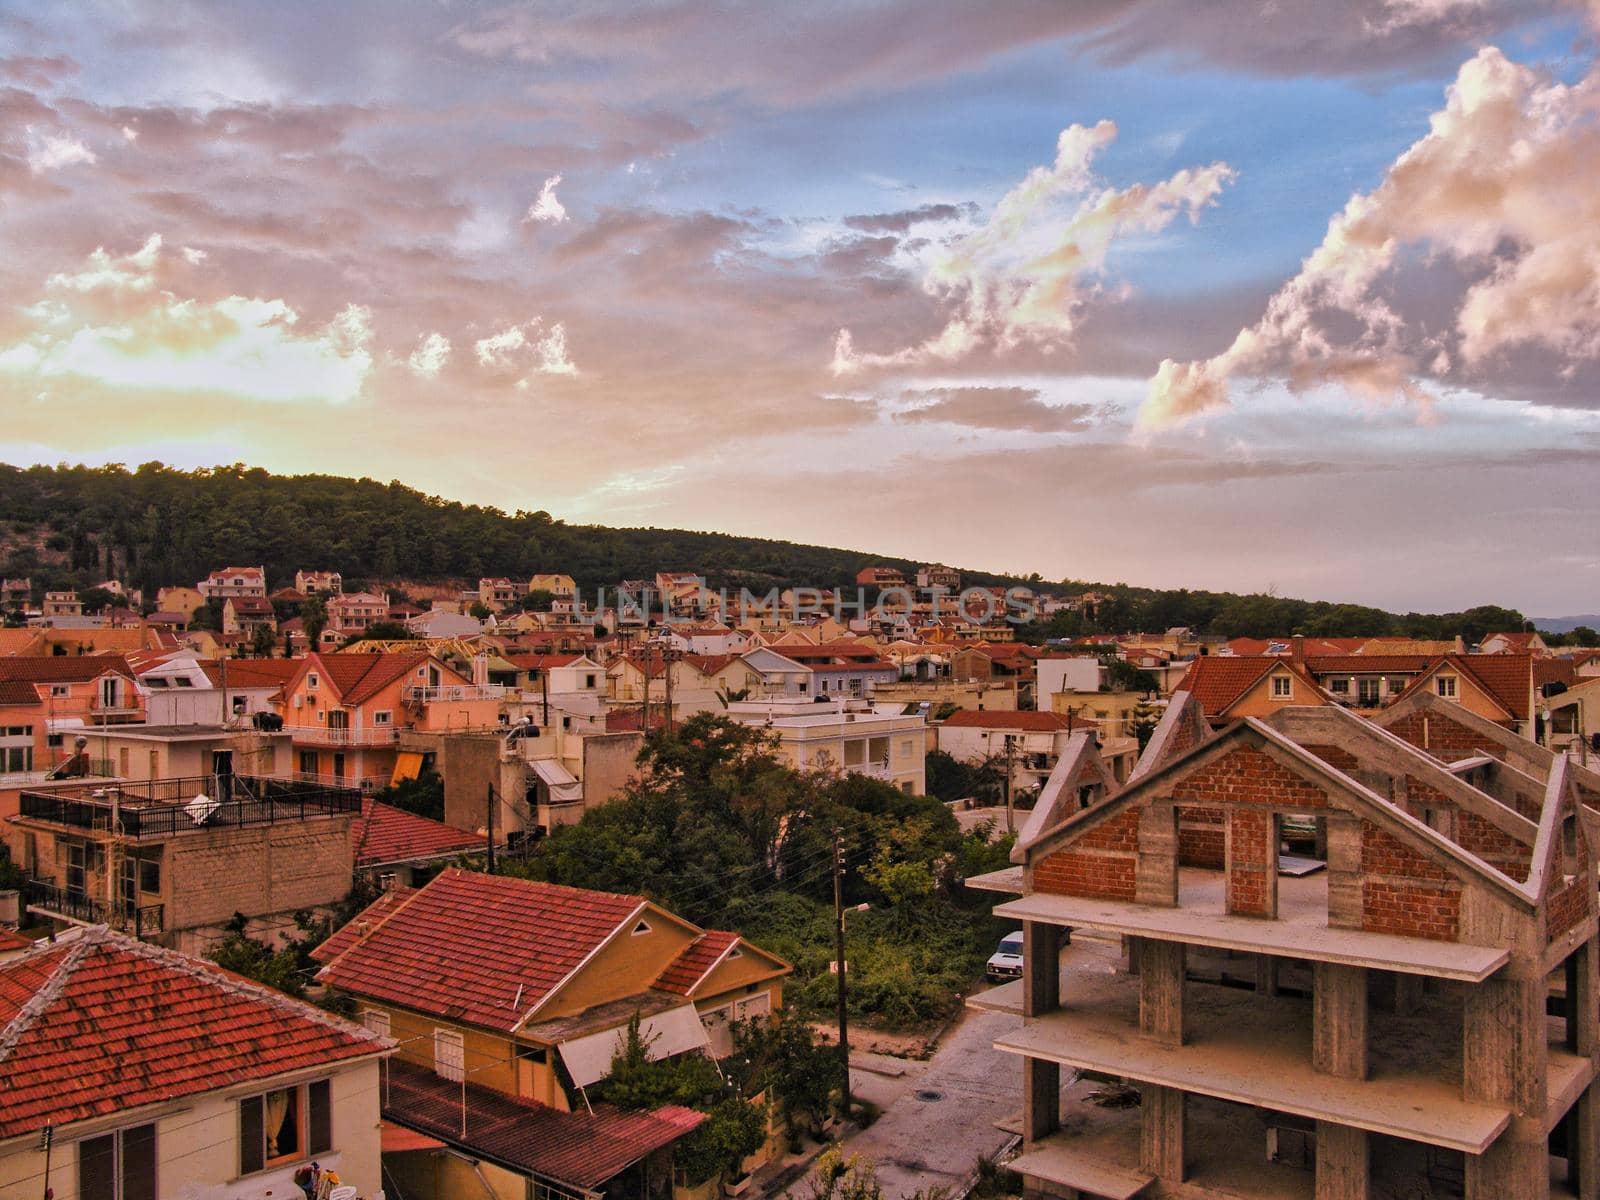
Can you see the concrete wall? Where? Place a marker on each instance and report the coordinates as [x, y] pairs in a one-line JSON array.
[[608, 762], [469, 765]]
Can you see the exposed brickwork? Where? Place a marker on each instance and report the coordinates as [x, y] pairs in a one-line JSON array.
[[1119, 833], [1496, 848], [1202, 838], [1441, 737], [1411, 910], [1096, 876], [1335, 757], [1252, 863], [1568, 907], [1404, 892], [1248, 776], [1384, 855]]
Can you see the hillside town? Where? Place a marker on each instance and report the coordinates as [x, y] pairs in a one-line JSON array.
[[1292, 915]]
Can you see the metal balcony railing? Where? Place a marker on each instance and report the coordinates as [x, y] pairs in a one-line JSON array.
[[327, 735], [164, 807], [458, 692], [50, 899]]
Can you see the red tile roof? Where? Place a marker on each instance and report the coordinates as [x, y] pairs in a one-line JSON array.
[[579, 1149], [1377, 664], [698, 957], [1507, 679], [385, 834], [17, 692], [1218, 681], [465, 945], [101, 1023], [10, 940], [1554, 670], [365, 921], [540, 662], [57, 669], [252, 672], [356, 677], [1032, 722]]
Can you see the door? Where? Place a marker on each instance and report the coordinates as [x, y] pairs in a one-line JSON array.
[[338, 766]]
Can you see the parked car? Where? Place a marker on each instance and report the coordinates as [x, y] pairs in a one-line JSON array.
[[1006, 961]]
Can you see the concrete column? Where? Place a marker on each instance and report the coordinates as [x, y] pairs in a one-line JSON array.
[[1339, 1020], [1161, 971], [1161, 1131], [1041, 970], [1504, 1061], [1266, 975], [1156, 878], [1344, 871], [1407, 993], [1041, 1099], [1583, 1001], [1343, 1166], [1583, 1145]]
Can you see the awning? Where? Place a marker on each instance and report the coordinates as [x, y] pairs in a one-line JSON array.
[[61, 724], [676, 1031], [407, 765], [397, 1138], [562, 783]]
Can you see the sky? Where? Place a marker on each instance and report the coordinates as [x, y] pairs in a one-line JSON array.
[[1283, 296]]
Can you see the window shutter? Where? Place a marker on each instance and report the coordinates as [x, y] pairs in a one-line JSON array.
[[97, 1168], [139, 1163], [321, 1118], [252, 1137]]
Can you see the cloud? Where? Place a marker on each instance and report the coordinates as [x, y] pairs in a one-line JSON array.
[[432, 351], [902, 221], [1026, 275], [527, 349], [113, 323], [1502, 188], [1012, 408], [46, 152], [547, 209]]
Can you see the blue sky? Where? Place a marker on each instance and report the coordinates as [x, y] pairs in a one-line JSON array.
[[1318, 311]]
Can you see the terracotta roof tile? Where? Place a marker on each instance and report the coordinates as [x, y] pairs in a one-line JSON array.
[[102, 1023], [698, 957], [57, 669], [1217, 681], [465, 945], [385, 834]]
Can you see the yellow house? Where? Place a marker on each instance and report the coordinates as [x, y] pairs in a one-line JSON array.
[[556, 585], [510, 998]]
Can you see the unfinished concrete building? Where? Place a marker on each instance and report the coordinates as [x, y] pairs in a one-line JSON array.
[[1314, 956]]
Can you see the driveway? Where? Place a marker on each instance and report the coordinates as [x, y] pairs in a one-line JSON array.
[[940, 1115]]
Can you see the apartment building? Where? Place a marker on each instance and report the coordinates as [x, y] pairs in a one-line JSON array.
[[878, 740], [1406, 1005], [233, 581]]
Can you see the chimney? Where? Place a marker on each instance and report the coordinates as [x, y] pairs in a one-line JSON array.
[[1297, 650], [1461, 644]]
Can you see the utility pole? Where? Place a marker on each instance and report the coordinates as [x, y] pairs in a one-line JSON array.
[[491, 829], [667, 655], [1011, 820], [47, 1137], [838, 941], [644, 717], [544, 689]]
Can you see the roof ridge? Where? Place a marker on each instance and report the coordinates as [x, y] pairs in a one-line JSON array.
[[45, 996]]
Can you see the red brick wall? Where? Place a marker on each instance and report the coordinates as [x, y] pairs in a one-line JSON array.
[[1202, 838], [1253, 863], [1102, 864], [1567, 908], [1444, 739], [1403, 892], [1496, 848], [1335, 757], [1248, 776]]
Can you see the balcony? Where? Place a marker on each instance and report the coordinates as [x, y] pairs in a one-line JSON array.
[[334, 735], [51, 900], [161, 808], [453, 693]]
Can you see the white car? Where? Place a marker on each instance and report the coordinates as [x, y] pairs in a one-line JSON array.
[[1006, 961]]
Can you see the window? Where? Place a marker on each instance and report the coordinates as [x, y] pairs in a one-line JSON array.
[[1445, 685], [182, 681], [240, 703], [150, 876], [285, 1125], [311, 679], [1282, 687], [642, 927], [376, 1020], [449, 1055], [385, 717], [1340, 687], [154, 681], [119, 1165], [59, 690]]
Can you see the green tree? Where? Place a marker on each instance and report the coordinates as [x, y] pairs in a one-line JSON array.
[[538, 600], [98, 599], [263, 642], [1146, 716]]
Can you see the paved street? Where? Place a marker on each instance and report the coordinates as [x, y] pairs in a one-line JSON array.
[[927, 1142]]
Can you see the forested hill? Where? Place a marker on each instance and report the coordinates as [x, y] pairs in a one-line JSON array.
[[70, 527]]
